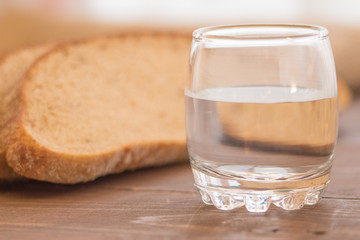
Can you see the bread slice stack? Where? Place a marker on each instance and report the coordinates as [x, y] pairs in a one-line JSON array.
[[95, 107]]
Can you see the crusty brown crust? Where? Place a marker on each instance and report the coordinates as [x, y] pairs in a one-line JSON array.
[[6, 173], [29, 158]]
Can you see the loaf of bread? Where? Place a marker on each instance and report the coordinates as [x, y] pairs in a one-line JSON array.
[[100, 106], [12, 68]]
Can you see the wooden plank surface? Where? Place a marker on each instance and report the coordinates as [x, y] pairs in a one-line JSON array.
[[161, 203]]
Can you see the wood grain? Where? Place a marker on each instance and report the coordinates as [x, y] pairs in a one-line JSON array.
[[161, 203]]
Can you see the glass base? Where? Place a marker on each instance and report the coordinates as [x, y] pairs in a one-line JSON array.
[[229, 193]]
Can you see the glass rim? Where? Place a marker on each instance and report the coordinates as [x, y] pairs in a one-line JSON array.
[[300, 32]]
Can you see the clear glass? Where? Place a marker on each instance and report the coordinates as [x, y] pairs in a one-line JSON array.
[[261, 115]]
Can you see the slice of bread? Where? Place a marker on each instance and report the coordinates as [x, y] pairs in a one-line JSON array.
[[12, 68], [100, 106]]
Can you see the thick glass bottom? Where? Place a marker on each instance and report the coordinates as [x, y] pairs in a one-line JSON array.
[[228, 193]]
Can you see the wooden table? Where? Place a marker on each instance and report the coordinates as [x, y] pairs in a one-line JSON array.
[[161, 203]]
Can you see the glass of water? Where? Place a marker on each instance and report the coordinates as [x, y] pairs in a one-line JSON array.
[[261, 115]]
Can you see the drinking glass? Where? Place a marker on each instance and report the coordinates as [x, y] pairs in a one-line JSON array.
[[261, 115]]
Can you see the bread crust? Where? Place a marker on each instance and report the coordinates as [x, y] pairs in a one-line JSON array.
[[30, 159], [7, 173]]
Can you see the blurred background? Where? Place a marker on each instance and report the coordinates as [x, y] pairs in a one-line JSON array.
[[33, 21]]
